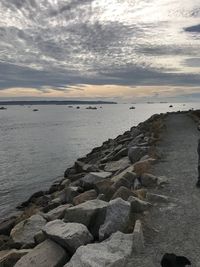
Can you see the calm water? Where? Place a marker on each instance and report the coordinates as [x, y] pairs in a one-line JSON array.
[[36, 147]]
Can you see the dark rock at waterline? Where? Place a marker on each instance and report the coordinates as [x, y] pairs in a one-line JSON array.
[[7, 225], [31, 199], [135, 153]]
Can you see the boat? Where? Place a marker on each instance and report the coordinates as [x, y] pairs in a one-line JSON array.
[[132, 107], [2, 108], [35, 109]]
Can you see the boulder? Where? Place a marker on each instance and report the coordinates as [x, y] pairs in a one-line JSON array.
[[127, 180], [57, 213], [90, 179], [80, 166], [39, 237], [106, 188], [90, 213], [122, 153], [148, 180], [141, 167], [8, 258], [138, 205], [135, 153], [117, 218], [88, 195], [123, 193], [25, 231], [120, 175], [46, 254], [68, 235], [67, 194], [114, 166], [113, 252], [6, 225]]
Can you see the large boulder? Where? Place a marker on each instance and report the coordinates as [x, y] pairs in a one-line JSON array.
[[127, 180], [8, 258], [117, 218], [135, 153], [46, 254], [114, 166], [90, 179], [25, 231], [90, 213], [123, 193], [67, 194], [138, 205], [57, 213], [148, 180], [88, 195], [68, 235], [120, 175], [106, 188], [113, 252]]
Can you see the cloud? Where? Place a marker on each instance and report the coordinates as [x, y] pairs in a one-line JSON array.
[[61, 44]]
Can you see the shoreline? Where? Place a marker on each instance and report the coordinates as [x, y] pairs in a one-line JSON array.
[[118, 164]]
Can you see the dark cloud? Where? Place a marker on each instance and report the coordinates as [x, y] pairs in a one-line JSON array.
[[195, 28]]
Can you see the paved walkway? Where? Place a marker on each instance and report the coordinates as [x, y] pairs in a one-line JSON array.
[[175, 227]]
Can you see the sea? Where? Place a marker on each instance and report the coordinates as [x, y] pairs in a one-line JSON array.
[[37, 147]]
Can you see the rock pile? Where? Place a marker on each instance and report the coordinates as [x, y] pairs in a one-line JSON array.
[[89, 217]]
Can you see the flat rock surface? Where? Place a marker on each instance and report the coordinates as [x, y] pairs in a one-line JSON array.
[[177, 224], [113, 252], [46, 254], [69, 235]]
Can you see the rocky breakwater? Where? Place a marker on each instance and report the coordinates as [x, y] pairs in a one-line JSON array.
[[92, 216]]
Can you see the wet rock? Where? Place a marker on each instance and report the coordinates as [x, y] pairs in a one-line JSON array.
[[88, 195], [117, 218], [68, 235], [114, 251], [8, 258], [57, 213], [3, 239], [148, 180], [138, 205], [135, 153], [114, 166], [90, 213], [123, 193], [92, 178], [7, 225], [31, 199], [46, 254], [25, 231]]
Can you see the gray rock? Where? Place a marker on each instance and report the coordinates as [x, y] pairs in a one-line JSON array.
[[120, 175], [90, 213], [67, 194], [57, 213], [114, 166], [162, 180], [66, 182], [46, 254], [138, 238], [123, 193], [88, 195], [138, 205], [8, 258], [83, 167], [122, 153], [25, 231], [89, 180], [135, 153], [68, 235], [117, 218], [113, 252], [127, 180], [39, 237], [106, 188], [148, 180]]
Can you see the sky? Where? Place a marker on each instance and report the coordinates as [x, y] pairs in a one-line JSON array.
[[122, 50]]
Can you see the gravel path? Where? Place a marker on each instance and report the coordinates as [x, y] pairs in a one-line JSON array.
[[175, 227]]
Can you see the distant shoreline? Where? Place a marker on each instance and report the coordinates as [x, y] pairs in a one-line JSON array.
[[54, 102]]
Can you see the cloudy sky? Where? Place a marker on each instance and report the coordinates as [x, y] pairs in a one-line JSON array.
[[126, 50]]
